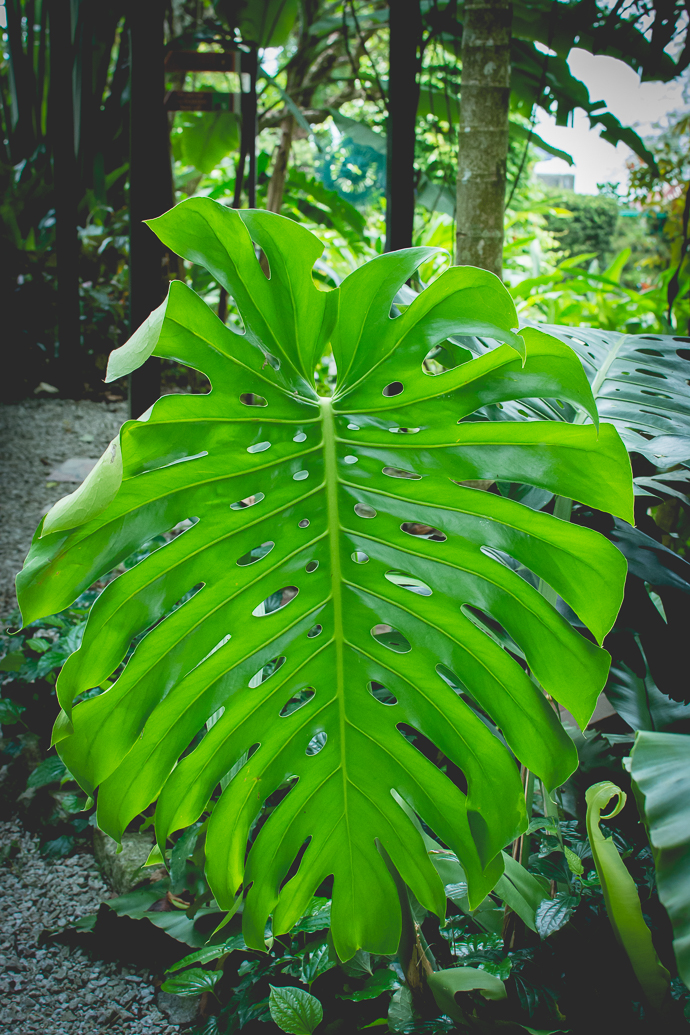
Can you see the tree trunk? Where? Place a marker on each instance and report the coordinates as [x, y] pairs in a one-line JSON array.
[[403, 100], [276, 187], [483, 133]]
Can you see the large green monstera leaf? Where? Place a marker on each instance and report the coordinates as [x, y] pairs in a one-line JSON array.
[[353, 593]]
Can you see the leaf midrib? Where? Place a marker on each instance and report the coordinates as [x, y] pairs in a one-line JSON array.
[[330, 457]]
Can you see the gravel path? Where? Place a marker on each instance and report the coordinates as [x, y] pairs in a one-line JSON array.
[[36, 436], [52, 990]]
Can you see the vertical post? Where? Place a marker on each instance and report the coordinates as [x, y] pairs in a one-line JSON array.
[[403, 100], [61, 132], [148, 185], [483, 133], [249, 65]]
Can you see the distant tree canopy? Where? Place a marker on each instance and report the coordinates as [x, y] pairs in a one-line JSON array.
[[591, 225]]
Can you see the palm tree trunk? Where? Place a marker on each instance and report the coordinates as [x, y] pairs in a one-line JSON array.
[[483, 133]]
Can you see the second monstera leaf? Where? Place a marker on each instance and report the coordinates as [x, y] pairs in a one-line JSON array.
[[342, 598]]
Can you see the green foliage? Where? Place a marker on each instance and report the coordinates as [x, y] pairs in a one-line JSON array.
[[590, 225], [203, 138], [264, 23], [639, 382], [192, 982], [622, 901], [294, 1010], [363, 611], [660, 770]]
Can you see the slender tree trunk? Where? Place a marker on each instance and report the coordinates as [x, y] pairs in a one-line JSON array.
[[403, 100], [483, 133], [276, 186]]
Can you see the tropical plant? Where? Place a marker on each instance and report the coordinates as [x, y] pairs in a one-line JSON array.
[[621, 898], [660, 770], [576, 295], [363, 496]]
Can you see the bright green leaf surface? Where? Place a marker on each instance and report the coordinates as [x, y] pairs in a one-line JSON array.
[[192, 982], [447, 984], [335, 553], [294, 1010], [660, 769]]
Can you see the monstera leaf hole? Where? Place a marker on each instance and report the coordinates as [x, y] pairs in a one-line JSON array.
[[359, 557], [391, 638], [266, 671], [317, 743], [257, 554], [397, 472], [363, 510], [311, 566], [250, 501], [409, 582], [250, 399], [382, 693], [298, 701], [422, 531], [304, 523], [259, 447], [394, 388], [275, 601], [315, 630]]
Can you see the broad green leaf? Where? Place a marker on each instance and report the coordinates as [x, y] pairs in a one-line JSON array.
[[553, 913], [574, 861], [295, 1010], [51, 770], [446, 985], [94, 494], [208, 953], [205, 138], [640, 383], [331, 595], [12, 662], [191, 982], [10, 712], [660, 769], [401, 1015], [621, 898], [265, 23], [381, 981], [358, 965], [521, 891], [38, 644]]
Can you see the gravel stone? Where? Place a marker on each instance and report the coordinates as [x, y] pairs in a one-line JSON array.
[[52, 989], [35, 436]]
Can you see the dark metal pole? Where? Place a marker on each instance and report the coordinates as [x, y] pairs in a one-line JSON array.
[[249, 65], [148, 185], [61, 121], [403, 99]]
